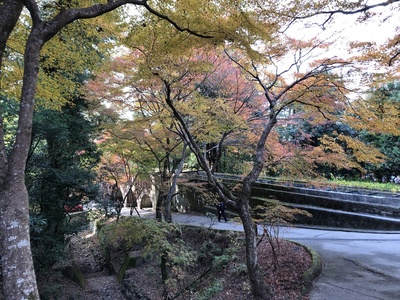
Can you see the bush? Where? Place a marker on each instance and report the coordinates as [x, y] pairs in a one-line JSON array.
[[220, 262], [208, 251], [215, 288]]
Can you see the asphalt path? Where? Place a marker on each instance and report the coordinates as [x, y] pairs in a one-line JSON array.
[[355, 265]]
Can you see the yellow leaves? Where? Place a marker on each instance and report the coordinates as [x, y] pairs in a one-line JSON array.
[[239, 22], [204, 17], [377, 114], [65, 61], [362, 152], [51, 91], [345, 152], [334, 151], [210, 118]]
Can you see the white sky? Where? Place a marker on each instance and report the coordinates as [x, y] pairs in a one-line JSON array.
[[346, 28], [377, 29]]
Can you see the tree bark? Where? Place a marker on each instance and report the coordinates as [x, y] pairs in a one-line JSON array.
[[10, 11], [256, 277], [19, 280], [171, 192], [160, 206]]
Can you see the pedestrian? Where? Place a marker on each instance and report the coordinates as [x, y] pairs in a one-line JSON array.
[[221, 211]]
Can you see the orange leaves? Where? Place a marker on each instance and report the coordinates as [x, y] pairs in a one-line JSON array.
[[379, 113], [361, 151]]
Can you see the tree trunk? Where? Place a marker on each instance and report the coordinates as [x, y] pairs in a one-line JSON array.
[[164, 268], [19, 280], [258, 285], [241, 203], [160, 206], [10, 11], [171, 192]]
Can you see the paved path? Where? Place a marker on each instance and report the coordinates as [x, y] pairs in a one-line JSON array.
[[355, 265]]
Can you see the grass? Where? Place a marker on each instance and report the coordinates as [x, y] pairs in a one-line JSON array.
[[339, 182], [390, 187]]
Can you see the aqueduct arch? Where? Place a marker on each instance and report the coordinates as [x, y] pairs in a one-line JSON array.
[[140, 195]]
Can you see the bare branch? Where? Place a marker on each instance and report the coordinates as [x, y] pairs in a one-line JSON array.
[[364, 8], [391, 60]]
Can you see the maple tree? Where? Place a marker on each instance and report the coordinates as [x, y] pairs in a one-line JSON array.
[[380, 128], [143, 127], [278, 97], [164, 151]]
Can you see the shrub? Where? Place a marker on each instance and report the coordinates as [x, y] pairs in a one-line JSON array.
[[208, 251], [215, 288]]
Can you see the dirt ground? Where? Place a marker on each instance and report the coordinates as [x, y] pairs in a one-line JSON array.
[[208, 279]]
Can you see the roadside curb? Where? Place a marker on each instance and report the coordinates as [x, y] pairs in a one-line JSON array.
[[313, 271]]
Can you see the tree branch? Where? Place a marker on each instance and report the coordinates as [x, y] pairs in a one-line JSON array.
[[393, 58], [364, 8], [173, 23]]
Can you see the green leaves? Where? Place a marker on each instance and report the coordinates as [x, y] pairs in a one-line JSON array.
[[155, 238]]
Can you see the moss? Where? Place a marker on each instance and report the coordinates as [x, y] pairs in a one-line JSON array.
[[128, 263], [74, 273], [313, 271]]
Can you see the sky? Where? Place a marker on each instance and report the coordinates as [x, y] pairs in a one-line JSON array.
[[377, 29], [346, 28]]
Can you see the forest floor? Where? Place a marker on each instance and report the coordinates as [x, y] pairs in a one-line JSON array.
[[208, 279]]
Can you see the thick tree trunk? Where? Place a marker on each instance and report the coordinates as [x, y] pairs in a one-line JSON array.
[[18, 275], [258, 285], [19, 280]]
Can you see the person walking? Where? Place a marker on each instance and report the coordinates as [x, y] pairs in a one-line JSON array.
[[221, 211]]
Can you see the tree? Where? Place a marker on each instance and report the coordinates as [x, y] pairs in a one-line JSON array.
[[278, 97], [169, 76], [146, 136], [120, 173], [381, 129]]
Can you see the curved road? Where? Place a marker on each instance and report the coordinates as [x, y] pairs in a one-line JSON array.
[[355, 265]]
